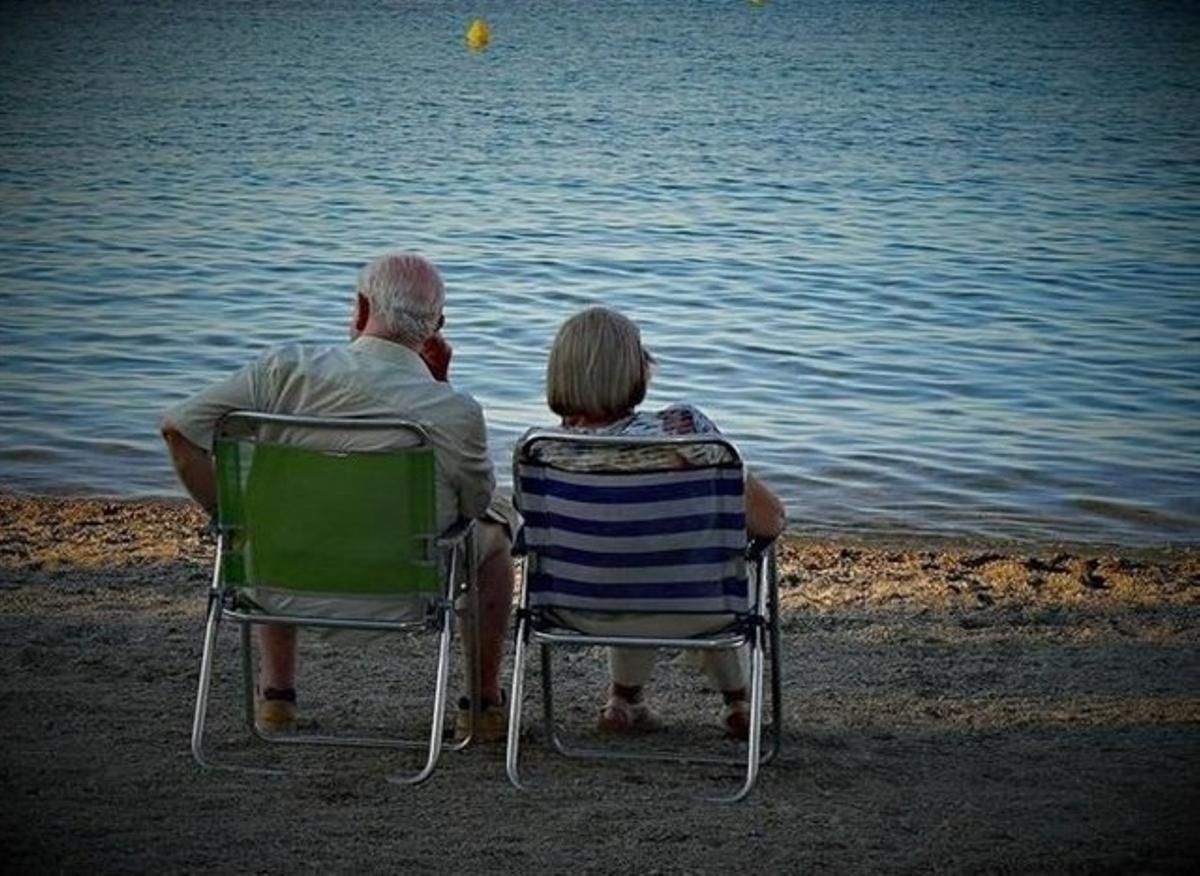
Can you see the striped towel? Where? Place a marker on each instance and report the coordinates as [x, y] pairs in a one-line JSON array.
[[657, 541]]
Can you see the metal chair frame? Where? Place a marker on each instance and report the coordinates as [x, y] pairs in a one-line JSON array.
[[224, 604], [758, 628]]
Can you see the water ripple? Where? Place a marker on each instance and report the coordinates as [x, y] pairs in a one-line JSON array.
[[932, 283]]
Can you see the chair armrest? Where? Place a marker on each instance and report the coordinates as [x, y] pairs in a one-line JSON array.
[[519, 548], [759, 547], [455, 533]]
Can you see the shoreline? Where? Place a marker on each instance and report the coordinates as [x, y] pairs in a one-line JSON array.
[[54, 534], [965, 709], [1165, 550]]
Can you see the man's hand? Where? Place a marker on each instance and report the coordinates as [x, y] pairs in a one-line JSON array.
[[436, 352]]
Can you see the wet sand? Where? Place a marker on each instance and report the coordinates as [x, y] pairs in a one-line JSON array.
[[947, 707]]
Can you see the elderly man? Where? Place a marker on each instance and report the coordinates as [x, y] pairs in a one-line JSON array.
[[395, 367]]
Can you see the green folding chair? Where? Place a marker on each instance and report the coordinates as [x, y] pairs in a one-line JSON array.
[[304, 522]]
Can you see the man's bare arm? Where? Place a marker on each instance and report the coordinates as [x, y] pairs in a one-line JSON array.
[[194, 466]]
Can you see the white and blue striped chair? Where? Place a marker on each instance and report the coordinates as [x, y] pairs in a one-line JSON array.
[[667, 537]]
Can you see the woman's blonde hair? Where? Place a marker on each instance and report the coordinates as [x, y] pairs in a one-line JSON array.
[[598, 366]]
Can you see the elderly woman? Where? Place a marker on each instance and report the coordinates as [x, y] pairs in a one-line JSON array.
[[596, 377]]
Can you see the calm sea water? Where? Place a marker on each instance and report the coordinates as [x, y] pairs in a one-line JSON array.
[[935, 266]]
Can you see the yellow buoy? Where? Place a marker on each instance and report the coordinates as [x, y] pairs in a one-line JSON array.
[[478, 35]]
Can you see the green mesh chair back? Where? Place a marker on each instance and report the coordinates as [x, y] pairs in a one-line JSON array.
[[327, 522]]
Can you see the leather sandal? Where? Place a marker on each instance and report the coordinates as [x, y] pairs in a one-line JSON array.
[[619, 715], [275, 710], [736, 719]]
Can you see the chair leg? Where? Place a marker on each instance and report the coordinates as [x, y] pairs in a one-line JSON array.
[[756, 709], [202, 690], [776, 694], [549, 725], [772, 584], [248, 679], [439, 705], [471, 643], [476, 688], [512, 749]]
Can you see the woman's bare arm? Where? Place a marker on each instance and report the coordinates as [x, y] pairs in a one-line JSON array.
[[765, 514]]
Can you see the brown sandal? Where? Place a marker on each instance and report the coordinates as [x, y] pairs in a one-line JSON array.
[[736, 718], [619, 715]]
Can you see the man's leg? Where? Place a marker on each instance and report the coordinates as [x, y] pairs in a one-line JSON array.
[[277, 662], [494, 580], [275, 708]]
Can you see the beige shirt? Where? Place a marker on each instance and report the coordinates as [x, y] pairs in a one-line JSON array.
[[370, 377]]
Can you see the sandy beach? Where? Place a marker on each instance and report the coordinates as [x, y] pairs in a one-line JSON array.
[[947, 708]]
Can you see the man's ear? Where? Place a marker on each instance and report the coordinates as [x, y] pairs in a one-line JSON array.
[[362, 312]]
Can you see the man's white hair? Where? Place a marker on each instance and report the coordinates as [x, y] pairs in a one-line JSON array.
[[406, 295]]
